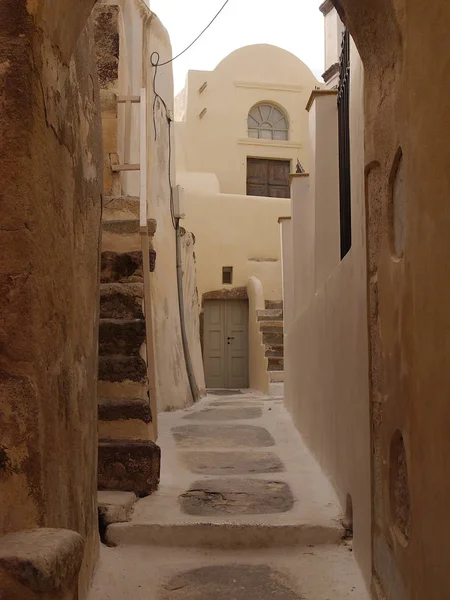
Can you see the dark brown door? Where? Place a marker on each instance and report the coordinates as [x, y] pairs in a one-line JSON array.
[[266, 177]]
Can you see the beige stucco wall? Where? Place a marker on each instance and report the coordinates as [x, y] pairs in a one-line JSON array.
[[218, 142], [326, 362], [238, 231], [172, 384]]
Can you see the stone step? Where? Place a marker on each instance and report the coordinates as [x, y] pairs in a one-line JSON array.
[[273, 338], [275, 350], [224, 535], [275, 364], [121, 267], [121, 226], [122, 368], [118, 409], [276, 376], [129, 466], [274, 304], [115, 507], [271, 326], [121, 337], [120, 208], [269, 314], [121, 300], [185, 573]]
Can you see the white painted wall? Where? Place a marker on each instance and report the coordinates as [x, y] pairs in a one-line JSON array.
[[326, 356]]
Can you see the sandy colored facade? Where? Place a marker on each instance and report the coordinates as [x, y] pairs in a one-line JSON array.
[[140, 34], [51, 167], [232, 228]]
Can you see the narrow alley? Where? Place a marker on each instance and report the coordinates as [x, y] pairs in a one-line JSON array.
[[243, 512]]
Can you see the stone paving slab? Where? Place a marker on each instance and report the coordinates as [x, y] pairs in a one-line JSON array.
[[225, 414], [231, 463], [237, 497], [229, 582], [226, 436], [146, 573]]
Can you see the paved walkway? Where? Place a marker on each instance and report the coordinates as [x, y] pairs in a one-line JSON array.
[[243, 513]]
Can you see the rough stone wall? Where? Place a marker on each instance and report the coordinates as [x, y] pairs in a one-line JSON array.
[[50, 205], [404, 47]]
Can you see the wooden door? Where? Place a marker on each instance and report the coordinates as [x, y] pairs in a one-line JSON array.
[[225, 348], [266, 177]]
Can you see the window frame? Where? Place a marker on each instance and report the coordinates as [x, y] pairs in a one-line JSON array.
[[266, 121]]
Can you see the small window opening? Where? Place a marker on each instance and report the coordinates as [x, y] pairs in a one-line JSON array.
[[227, 275]]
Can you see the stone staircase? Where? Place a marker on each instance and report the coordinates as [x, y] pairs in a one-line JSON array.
[[271, 326], [128, 458]]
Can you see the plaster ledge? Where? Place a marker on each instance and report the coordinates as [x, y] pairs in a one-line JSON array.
[[43, 560], [317, 94]]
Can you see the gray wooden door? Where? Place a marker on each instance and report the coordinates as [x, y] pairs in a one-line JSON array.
[[267, 177], [225, 347]]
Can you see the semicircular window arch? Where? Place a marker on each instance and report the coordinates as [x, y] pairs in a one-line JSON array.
[[266, 121]]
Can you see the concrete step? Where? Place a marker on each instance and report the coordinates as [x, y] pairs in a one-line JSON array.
[[121, 300], [275, 364], [115, 369], [275, 350], [276, 376], [269, 314], [120, 208], [273, 338], [141, 573], [274, 304], [129, 466], [271, 326], [225, 535], [121, 336]]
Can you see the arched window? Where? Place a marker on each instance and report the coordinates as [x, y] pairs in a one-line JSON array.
[[267, 122]]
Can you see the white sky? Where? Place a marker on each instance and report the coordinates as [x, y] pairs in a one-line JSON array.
[[295, 25]]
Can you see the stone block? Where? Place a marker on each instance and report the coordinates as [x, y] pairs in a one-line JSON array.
[[273, 338], [122, 368], [40, 563], [116, 409], [275, 364], [121, 301], [115, 507], [120, 266], [129, 466], [119, 336]]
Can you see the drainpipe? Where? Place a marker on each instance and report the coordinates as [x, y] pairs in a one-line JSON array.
[[187, 355]]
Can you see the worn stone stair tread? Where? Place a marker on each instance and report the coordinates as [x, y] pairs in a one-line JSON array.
[[115, 506], [129, 465], [276, 376], [116, 368], [121, 226], [116, 409], [269, 314], [274, 304], [271, 326]]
